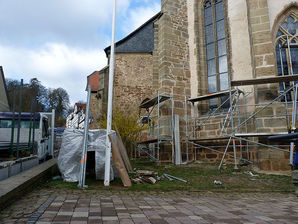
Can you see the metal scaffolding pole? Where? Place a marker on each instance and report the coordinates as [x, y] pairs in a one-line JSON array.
[[85, 143], [19, 117]]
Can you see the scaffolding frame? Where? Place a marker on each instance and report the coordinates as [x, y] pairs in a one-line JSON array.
[[234, 113], [151, 147]]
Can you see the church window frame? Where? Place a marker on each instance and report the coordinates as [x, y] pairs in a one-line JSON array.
[[216, 47]]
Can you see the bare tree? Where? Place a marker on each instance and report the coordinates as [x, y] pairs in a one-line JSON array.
[[58, 99]]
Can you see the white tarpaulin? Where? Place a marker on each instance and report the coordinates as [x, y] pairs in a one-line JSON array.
[[69, 158]]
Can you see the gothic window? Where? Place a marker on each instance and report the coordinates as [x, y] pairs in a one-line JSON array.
[[216, 51], [286, 49]]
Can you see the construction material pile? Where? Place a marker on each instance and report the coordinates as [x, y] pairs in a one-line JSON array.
[[145, 176], [151, 177]]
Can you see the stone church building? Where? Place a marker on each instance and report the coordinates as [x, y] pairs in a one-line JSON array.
[[193, 48]]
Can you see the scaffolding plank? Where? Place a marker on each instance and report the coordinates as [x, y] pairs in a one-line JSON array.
[[208, 139], [258, 134], [149, 141], [237, 135], [154, 101], [210, 96], [266, 80]]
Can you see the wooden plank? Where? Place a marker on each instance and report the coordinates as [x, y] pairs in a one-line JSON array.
[[210, 96], [123, 150], [208, 139], [154, 140], [124, 155], [154, 101], [119, 164], [266, 80], [258, 134]]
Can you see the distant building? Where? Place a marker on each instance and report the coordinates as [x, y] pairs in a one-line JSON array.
[[77, 117], [4, 105], [96, 101]]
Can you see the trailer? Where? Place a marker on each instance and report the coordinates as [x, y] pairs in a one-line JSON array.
[[27, 132]]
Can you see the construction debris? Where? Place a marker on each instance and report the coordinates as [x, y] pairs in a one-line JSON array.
[[145, 176], [151, 177], [217, 182], [249, 173], [170, 177], [146, 173]]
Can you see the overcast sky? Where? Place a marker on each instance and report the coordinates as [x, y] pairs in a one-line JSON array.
[[60, 42]]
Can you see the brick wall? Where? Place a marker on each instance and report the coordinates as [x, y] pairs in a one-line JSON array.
[[132, 80]]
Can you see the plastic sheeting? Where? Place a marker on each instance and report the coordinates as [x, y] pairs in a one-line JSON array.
[[71, 151]]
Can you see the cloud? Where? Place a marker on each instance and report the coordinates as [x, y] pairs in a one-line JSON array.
[[55, 65], [75, 22], [61, 42], [139, 15]]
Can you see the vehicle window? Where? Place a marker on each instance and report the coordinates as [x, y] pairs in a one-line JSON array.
[[24, 124], [5, 124], [45, 128]]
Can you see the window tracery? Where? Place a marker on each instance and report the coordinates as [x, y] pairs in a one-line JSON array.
[[286, 49]]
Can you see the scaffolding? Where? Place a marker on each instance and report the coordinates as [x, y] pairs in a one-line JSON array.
[[235, 120], [151, 147]]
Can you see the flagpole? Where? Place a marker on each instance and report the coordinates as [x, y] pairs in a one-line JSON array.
[[110, 101]]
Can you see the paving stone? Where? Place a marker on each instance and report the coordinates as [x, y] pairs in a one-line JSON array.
[[80, 214], [138, 216], [84, 207], [83, 219], [126, 221], [109, 218], [194, 217]]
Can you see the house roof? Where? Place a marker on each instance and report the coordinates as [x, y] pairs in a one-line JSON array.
[[139, 41], [93, 81], [5, 88], [81, 106]]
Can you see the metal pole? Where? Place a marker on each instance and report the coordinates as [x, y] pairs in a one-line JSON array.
[[293, 124], [30, 127], [267, 105], [245, 116], [214, 150], [290, 56], [110, 101], [33, 132], [232, 125], [223, 156], [85, 143], [79, 116], [158, 126], [19, 117], [239, 121], [257, 143], [53, 132], [186, 124], [173, 124], [12, 123]]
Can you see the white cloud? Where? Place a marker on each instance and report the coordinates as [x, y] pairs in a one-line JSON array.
[[61, 42], [55, 65], [76, 22], [139, 15]]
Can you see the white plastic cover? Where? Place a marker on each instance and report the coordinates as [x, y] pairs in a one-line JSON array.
[[71, 151]]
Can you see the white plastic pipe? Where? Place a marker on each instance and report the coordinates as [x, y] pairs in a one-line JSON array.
[[110, 101]]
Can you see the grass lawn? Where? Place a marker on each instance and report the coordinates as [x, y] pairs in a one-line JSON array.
[[200, 177]]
